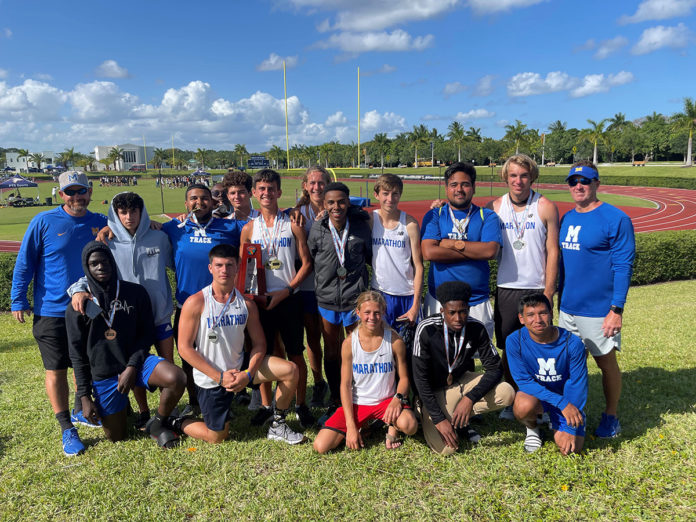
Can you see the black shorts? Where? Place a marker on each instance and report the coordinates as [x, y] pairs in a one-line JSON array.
[[287, 319], [505, 312], [52, 338], [215, 406]]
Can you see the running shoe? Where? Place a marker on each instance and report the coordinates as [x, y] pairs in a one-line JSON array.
[[318, 394], [79, 418], [141, 420], [280, 430], [609, 427], [305, 416], [72, 445], [255, 402], [470, 434], [262, 416], [533, 441], [506, 414], [327, 415]]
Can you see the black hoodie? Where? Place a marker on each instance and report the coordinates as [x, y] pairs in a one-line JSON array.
[[93, 356]]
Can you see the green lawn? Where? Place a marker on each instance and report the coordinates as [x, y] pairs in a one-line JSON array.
[[647, 473]]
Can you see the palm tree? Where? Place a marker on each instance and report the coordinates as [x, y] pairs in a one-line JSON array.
[[685, 121], [201, 155], [618, 122], [24, 153], [381, 142], [159, 157], [594, 134], [558, 126], [517, 133], [37, 158], [457, 135], [325, 151], [241, 150], [68, 157], [419, 136], [115, 156], [474, 134]]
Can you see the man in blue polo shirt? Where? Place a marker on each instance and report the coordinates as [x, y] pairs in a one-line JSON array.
[[458, 239], [597, 249], [50, 255]]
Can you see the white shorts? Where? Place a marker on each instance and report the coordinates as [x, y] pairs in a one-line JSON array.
[[589, 329], [481, 312]]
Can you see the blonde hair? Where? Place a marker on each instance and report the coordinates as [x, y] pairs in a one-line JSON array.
[[524, 161], [371, 295], [304, 199]]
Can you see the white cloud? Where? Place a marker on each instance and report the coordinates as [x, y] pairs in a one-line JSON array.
[[474, 114], [660, 36], [595, 83], [496, 6], [31, 101], [43, 76], [338, 118], [357, 43], [3, 74], [659, 10], [111, 69], [453, 88], [7, 32], [275, 63], [530, 84], [389, 122], [101, 101], [484, 86], [587, 46], [607, 47]]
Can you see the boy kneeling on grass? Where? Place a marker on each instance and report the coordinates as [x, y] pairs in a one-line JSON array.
[[371, 357], [109, 349]]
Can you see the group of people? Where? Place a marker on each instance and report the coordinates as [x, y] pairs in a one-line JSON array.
[[389, 353], [117, 181]]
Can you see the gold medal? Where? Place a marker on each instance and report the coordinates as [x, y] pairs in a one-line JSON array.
[[110, 334], [274, 264]]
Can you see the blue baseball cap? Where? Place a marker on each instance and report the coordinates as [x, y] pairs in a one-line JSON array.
[[587, 172]]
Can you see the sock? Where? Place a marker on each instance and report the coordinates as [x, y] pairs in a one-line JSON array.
[[77, 406], [63, 418], [279, 415]]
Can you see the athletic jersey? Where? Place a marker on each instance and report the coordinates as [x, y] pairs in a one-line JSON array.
[[373, 372], [306, 210], [483, 226], [227, 352], [286, 250], [597, 250], [522, 267], [555, 373], [253, 213], [191, 245], [51, 255], [391, 257]]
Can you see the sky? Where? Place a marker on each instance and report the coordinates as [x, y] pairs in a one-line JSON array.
[[208, 74]]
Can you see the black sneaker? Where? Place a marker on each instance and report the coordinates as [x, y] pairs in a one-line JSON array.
[[469, 433], [262, 416], [305, 416], [327, 415], [141, 420], [318, 394]]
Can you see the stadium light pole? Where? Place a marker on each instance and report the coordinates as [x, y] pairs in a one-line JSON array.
[[287, 139]]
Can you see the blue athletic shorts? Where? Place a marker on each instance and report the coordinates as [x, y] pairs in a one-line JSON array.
[[397, 305], [340, 318], [215, 406], [309, 302], [106, 395], [164, 331], [558, 421]]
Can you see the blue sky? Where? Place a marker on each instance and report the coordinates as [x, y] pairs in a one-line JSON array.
[[209, 73]]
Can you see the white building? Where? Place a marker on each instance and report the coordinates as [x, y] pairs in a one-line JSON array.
[[132, 155], [19, 163]]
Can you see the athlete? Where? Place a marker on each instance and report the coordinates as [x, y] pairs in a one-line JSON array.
[[371, 359], [211, 338], [550, 368], [50, 257], [281, 242], [221, 207], [237, 189], [597, 251], [458, 239], [529, 256], [450, 390], [110, 350]]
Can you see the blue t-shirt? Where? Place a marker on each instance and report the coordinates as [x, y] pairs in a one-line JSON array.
[[484, 226], [191, 247], [51, 255], [597, 250], [554, 373]]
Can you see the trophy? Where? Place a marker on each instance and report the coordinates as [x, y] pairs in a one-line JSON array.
[[251, 278]]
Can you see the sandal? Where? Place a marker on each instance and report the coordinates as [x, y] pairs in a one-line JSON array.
[[392, 442], [165, 437]]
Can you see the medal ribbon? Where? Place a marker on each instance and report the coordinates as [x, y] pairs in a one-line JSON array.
[[461, 224], [519, 227], [457, 345], [201, 228], [216, 322], [112, 310], [270, 239], [339, 242]]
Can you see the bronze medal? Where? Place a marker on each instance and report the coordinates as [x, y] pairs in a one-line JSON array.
[[449, 380], [110, 334]]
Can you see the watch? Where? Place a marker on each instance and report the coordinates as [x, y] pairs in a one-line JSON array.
[[616, 309], [403, 400]]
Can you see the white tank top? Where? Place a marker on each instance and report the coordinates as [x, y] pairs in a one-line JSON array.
[[227, 352], [277, 279], [373, 372], [523, 268], [391, 257], [306, 210]]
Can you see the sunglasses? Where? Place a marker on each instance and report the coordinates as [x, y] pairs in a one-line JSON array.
[[216, 194], [582, 180], [73, 192]]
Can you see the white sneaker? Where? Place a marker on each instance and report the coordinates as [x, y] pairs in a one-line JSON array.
[[280, 430], [506, 414], [255, 402], [532, 442]]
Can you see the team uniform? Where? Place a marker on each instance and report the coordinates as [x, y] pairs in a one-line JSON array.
[[309, 297], [482, 225], [286, 317], [50, 255], [374, 383], [597, 250], [522, 263], [555, 373], [220, 340], [393, 269]]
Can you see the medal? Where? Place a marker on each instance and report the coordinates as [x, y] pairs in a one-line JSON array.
[[449, 380], [518, 244], [110, 334], [270, 240], [212, 337], [457, 350], [212, 334], [274, 264], [461, 224], [342, 272], [339, 243]]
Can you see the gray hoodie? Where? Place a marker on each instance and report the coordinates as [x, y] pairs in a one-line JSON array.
[[142, 258]]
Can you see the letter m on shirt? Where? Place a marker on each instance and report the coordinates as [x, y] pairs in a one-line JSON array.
[[547, 366], [573, 233]]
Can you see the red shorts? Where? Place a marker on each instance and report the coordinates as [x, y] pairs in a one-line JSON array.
[[361, 413]]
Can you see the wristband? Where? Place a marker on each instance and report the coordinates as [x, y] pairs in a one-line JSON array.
[[220, 381], [251, 379]]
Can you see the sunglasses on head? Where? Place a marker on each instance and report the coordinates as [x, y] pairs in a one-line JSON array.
[[72, 192], [579, 179], [216, 194]]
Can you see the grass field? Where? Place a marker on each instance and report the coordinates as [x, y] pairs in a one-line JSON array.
[[647, 473], [14, 221]]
